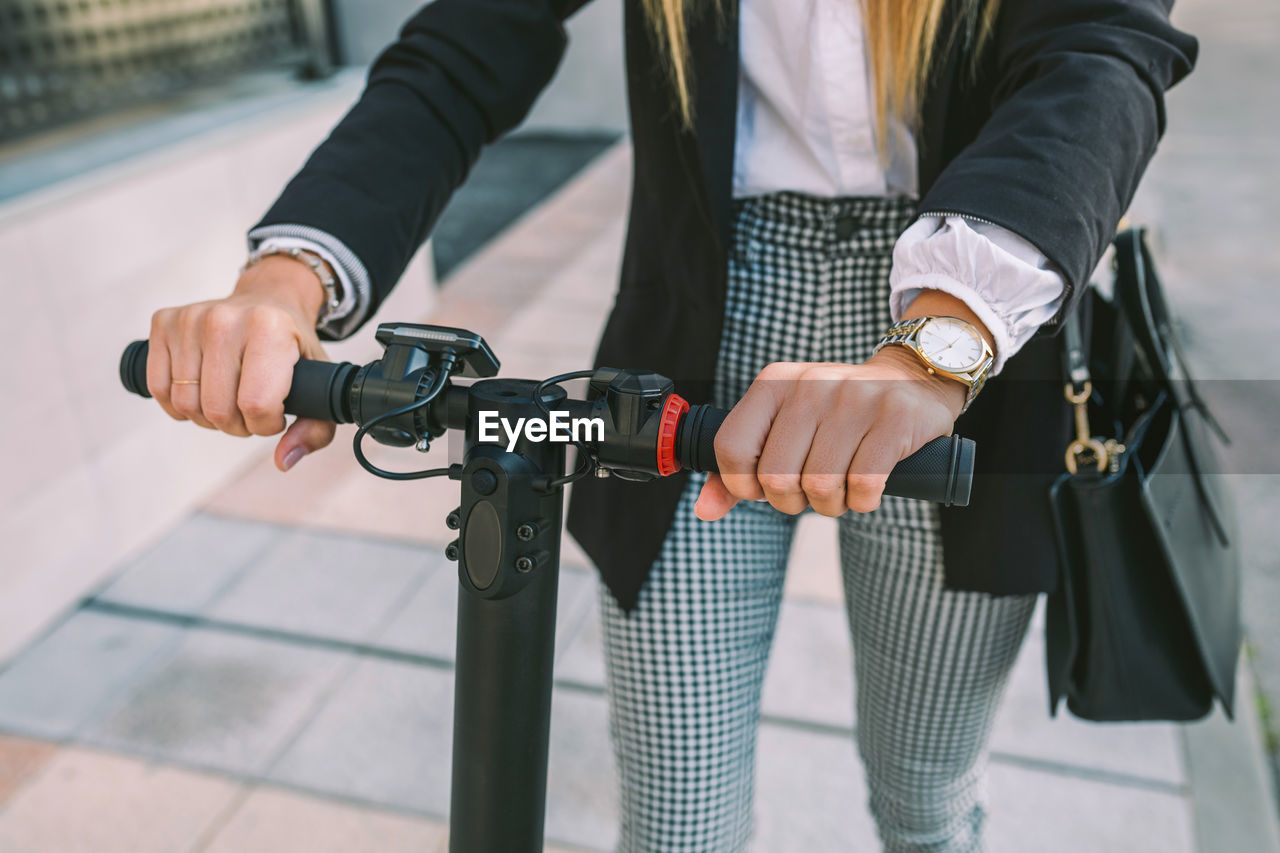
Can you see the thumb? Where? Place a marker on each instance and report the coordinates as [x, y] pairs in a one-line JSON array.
[[303, 436], [714, 501]]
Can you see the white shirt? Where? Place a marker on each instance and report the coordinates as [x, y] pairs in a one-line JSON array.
[[806, 123]]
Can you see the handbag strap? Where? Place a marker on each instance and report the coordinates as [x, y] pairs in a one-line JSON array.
[[1085, 450], [1075, 361], [1141, 297], [1151, 292]]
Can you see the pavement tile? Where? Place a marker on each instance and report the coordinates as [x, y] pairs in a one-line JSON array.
[[56, 686], [274, 821], [187, 569], [811, 798], [413, 510], [582, 660], [576, 593], [428, 624], [1024, 728], [264, 493], [813, 572], [582, 808], [91, 802], [20, 759], [1052, 813], [810, 674], [223, 701], [810, 794], [385, 736], [325, 585]]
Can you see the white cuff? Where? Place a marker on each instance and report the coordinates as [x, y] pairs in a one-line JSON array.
[[1001, 277], [353, 278]]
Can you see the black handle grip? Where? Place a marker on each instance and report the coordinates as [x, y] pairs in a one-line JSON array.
[[133, 368], [318, 390], [941, 471]]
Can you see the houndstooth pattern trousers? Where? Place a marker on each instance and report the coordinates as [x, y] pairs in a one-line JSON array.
[[808, 281]]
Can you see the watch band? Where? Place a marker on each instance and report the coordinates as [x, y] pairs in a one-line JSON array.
[[312, 260], [904, 332]]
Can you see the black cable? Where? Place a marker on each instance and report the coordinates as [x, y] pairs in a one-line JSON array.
[[588, 463], [437, 385]]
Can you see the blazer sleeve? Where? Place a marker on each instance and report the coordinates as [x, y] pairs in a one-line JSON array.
[[1077, 110], [462, 73]]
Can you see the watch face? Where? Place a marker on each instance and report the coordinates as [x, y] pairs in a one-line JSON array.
[[951, 344]]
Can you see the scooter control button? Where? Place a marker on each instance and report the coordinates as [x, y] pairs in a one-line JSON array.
[[484, 482]]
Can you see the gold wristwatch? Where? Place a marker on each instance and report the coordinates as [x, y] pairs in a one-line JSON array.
[[948, 346]]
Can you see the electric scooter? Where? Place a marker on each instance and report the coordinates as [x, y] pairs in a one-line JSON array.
[[509, 524]]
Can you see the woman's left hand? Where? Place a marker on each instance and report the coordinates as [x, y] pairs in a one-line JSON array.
[[827, 435]]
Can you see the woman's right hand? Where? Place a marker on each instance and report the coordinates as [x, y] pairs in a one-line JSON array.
[[242, 350]]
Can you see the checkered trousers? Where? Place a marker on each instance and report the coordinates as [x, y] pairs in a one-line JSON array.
[[808, 281]]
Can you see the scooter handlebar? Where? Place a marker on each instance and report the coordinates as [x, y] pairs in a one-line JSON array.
[[940, 471], [316, 392]]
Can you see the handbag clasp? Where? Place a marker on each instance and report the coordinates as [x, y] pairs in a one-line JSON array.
[[1085, 450]]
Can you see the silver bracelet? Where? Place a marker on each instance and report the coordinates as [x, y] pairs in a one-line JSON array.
[[313, 261]]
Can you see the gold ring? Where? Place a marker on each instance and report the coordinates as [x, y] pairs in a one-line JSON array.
[[185, 382]]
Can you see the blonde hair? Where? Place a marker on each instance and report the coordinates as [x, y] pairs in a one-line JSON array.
[[900, 37]]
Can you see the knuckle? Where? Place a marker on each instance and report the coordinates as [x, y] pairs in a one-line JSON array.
[[864, 504], [898, 398], [822, 486], [188, 409], [822, 372], [268, 320], [256, 406], [190, 320], [161, 321], [789, 504], [220, 413], [773, 370], [863, 492], [220, 320], [159, 392], [780, 484], [730, 451]]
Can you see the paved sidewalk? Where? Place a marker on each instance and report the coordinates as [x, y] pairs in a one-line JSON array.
[[276, 674]]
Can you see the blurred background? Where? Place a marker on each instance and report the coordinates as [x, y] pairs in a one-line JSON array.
[[198, 653]]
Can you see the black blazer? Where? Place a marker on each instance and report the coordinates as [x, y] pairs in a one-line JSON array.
[[1048, 138]]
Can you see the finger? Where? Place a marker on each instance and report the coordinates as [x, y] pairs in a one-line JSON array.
[[302, 437], [783, 457], [809, 398], [826, 468], [159, 379], [185, 358], [714, 501], [220, 370], [742, 436], [271, 350], [886, 444]]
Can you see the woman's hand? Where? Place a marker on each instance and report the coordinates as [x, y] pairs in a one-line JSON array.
[[827, 435], [242, 349]]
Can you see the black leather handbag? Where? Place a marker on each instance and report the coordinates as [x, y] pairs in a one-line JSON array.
[[1145, 624]]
